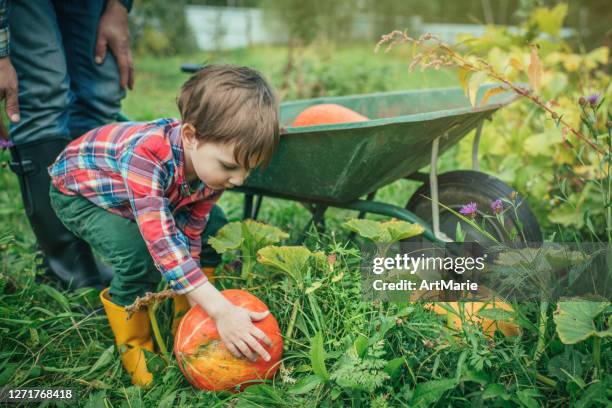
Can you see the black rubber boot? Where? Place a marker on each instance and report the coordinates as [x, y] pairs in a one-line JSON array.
[[69, 257]]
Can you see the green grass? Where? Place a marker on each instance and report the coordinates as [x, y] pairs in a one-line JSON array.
[[49, 338]]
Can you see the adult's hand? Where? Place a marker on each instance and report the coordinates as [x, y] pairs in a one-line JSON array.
[[114, 33], [8, 89]]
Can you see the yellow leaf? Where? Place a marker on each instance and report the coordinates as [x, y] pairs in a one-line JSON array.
[[464, 75], [475, 81], [599, 55], [337, 277], [550, 21], [572, 62], [535, 69], [489, 93], [517, 64]]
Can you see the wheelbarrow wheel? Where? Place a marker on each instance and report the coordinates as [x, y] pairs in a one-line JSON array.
[[457, 188]]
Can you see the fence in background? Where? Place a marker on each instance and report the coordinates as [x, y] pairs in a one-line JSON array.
[[238, 27]]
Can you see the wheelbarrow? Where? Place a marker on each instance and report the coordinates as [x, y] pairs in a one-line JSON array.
[[344, 165]]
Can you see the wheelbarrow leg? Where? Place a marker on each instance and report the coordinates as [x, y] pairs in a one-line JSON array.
[[248, 206], [250, 212], [258, 200], [318, 219]]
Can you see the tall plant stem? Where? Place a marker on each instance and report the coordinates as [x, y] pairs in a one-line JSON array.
[[597, 353], [293, 318], [248, 262], [541, 331]]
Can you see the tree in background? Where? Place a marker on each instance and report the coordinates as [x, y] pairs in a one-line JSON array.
[[304, 21], [159, 27]]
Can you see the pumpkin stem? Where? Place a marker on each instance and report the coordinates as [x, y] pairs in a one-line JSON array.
[[156, 332]]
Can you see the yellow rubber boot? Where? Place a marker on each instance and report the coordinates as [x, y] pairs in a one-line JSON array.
[[133, 335], [181, 304]]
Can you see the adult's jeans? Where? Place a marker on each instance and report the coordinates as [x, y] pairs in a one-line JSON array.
[[63, 93]]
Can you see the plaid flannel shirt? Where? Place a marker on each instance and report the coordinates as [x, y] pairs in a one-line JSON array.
[[4, 30], [136, 170]]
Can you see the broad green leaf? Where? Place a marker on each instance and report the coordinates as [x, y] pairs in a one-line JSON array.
[[394, 367], [155, 363], [431, 391], [265, 234], [233, 235], [305, 385], [495, 391], [228, 238], [566, 215], [574, 320], [384, 232], [361, 345], [595, 393], [290, 260], [105, 359], [477, 376], [368, 229], [317, 357], [399, 230], [547, 258], [566, 365], [527, 398]]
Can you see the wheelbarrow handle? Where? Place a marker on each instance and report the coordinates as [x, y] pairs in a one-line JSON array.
[[192, 68]]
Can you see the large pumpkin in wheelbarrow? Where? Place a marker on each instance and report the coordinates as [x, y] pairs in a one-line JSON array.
[[326, 114], [208, 364]]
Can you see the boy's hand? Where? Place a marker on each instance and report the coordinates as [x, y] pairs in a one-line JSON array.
[[234, 323], [240, 335]]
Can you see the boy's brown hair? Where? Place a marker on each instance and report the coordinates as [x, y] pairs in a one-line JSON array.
[[233, 104]]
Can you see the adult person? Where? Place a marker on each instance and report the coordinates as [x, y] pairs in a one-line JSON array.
[[58, 81]]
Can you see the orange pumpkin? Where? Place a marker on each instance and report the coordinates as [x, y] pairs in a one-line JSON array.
[[208, 364], [325, 114]]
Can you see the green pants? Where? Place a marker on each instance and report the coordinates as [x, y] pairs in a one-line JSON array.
[[117, 240]]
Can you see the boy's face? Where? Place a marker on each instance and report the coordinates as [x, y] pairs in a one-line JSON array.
[[213, 163]]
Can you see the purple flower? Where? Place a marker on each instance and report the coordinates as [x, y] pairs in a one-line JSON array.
[[593, 99], [497, 206], [5, 144], [469, 210]]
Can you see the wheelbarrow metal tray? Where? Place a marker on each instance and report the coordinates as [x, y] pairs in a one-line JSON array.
[[338, 163]]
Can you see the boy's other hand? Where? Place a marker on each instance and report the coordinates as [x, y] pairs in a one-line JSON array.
[[240, 335]]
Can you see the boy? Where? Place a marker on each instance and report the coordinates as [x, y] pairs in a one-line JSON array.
[[141, 195]]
